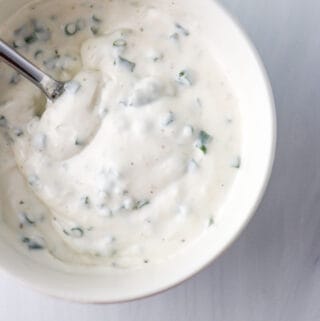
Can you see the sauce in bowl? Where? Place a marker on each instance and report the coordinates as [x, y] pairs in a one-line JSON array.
[[133, 163]]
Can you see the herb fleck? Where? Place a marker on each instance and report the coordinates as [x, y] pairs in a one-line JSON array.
[[25, 218], [182, 30], [236, 162], [78, 142], [38, 53], [184, 78], [94, 30], [167, 119], [96, 19], [139, 204], [211, 221], [33, 180], [86, 201], [127, 63], [174, 36], [3, 121], [30, 38], [119, 43], [25, 239], [33, 244], [203, 140]]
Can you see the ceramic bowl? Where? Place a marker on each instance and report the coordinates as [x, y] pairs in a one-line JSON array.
[[247, 76]]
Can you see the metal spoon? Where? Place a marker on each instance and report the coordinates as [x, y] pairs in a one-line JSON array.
[[51, 88]]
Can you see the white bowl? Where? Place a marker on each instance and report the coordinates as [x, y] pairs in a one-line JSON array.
[[246, 73]]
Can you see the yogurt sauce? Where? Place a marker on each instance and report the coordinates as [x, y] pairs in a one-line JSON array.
[[133, 163]]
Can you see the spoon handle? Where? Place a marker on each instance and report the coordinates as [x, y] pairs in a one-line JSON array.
[[49, 86]]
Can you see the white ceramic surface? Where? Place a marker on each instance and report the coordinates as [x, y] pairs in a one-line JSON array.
[[247, 76]]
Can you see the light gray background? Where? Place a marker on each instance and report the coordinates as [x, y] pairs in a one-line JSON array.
[[272, 273]]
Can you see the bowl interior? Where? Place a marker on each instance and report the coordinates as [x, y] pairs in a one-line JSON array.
[[247, 76]]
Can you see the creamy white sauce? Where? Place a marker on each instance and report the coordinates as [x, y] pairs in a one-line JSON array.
[[135, 160]]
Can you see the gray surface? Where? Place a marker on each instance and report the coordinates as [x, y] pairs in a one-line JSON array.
[[272, 273]]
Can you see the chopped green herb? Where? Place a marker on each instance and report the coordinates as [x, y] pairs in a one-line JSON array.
[[119, 43], [183, 30], [78, 142], [25, 219], [32, 243], [184, 78], [33, 180], [25, 239], [30, 38], [127, 64], [167, 119], [204, 137], [157, 57], [203, 140], [94, 30], [96, 19], [38, 53], [140, 204], [86, 201], [236, 162], [17, 44], [3, 121], [175, 36], [198, 102], [204, 149], [211, 221]]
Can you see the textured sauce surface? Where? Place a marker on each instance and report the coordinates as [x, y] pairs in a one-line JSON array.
[[133, 163]]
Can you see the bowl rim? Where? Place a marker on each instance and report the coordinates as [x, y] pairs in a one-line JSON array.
[[242, 226]]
